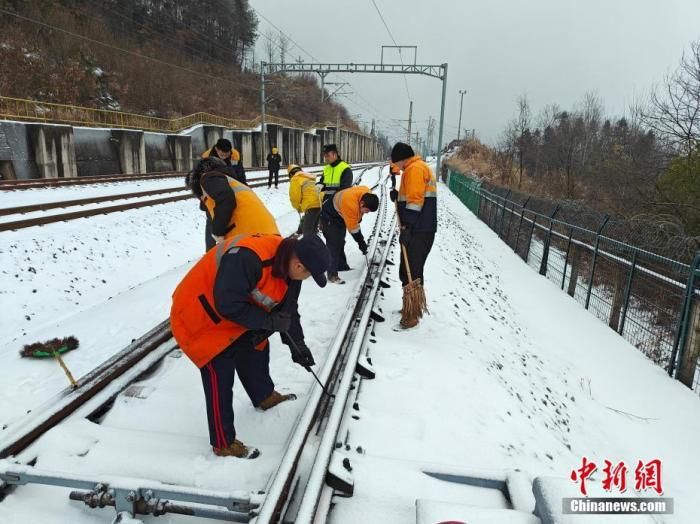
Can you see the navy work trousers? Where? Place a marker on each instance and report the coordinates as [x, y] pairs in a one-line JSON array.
[[253, 368]]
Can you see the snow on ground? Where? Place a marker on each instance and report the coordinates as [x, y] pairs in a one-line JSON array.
[[86, 207], [105, 274], [25, 197], [507, 372], [162, 433]]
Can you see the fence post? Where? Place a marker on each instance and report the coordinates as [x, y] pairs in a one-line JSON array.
[[510, 221], [489, 210], [688, 360], [547, 240], [503, 214], [595, 259], [493, 216], [628, 290], [683, 321], [517, 235], [529, 240], [566, 258]]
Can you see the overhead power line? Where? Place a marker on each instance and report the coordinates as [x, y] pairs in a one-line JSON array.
[[312, 57], [391, 35]]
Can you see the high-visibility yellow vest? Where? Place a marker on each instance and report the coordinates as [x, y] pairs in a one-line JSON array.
[[331, 175]]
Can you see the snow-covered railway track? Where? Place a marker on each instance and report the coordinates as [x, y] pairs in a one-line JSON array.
[[297, 488], [44, 213], [35, 183], [136, 200]]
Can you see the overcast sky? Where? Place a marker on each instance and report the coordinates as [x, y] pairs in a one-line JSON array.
[[552, 50]]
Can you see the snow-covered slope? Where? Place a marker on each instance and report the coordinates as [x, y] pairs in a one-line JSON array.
[[507, 372]]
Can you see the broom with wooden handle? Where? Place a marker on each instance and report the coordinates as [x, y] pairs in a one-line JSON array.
[[414, 301], [53, 348]]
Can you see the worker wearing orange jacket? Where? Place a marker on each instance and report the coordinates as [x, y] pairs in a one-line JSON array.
[[417, 206], [232, 207], [343, 213], [225, 309]]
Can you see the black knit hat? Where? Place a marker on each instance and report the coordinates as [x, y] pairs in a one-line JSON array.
[[330, 148], [401, 151], [224, 144], [314, 254]]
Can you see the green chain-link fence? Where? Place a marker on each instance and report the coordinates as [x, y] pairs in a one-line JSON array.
[[636, 276]]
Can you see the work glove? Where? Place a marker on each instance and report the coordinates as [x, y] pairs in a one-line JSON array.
[[301, 354], [393, 195], [362, 245], [405, 236], [278, 321]]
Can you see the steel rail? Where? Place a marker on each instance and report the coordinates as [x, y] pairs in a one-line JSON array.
[[280, 487]]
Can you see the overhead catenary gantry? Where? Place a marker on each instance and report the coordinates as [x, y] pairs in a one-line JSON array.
[[323, 69]]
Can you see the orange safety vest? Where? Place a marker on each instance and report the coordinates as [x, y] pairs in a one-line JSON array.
[[250, 214], [199, 329]]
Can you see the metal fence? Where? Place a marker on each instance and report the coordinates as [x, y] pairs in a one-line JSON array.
[[35, 111], [636, 276]]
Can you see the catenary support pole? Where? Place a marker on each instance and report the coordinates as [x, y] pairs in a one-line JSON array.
[[442, 119], [262, 113]]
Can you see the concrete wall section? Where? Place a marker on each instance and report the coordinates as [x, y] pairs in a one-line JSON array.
[[96, 152], [179, 148], [16, 160], [52, 150], [31, 150], [167, 152], [197, 141], [212, 134], [158, 156], [246, 148], [132, 151]]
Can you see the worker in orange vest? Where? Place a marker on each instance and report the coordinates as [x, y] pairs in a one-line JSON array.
[[232, 207], [226, 308], [417, 208], [343, 213]]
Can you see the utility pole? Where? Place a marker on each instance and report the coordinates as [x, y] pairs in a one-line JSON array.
[[262, 113], [462, 92], [431, 134], [372, 133], [337, 132], [410, 117], [323, 85], [442, 120]]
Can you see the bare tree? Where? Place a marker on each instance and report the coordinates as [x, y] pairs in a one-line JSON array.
[[522, 126], [674, 107], [284, 47], [270, 47]]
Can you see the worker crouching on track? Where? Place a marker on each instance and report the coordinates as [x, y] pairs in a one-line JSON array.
[[343, 212], [417, 207], [305, 196], [232, 207], [227, 307]]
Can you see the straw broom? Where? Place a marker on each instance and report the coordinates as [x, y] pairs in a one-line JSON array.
[[414, 301], [53, 348]]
